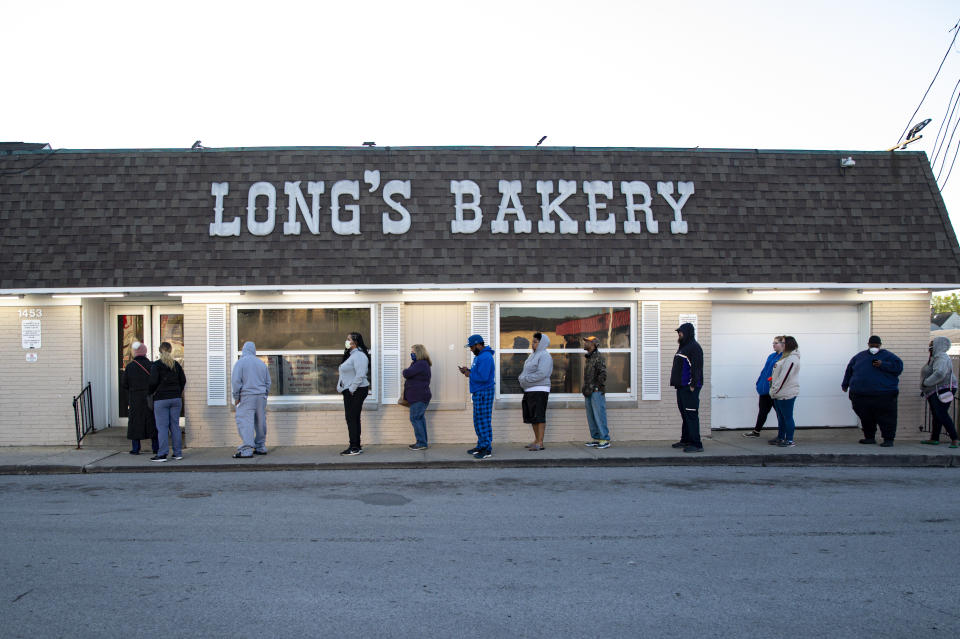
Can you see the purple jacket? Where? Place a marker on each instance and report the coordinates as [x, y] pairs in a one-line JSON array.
[[417, 386]]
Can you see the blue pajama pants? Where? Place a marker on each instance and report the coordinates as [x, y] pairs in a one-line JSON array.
[[483, 417]]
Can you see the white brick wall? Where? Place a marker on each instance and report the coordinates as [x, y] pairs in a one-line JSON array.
[[36, 400], [904, 328]]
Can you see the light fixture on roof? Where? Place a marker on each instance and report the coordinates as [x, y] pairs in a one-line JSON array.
[[197, 146], [541, 140], [555, 292], [912, 135], [893, 291], [369, 144], [847, 162]]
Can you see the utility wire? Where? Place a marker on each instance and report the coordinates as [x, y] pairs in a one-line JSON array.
[[945, 122], [956, 30], [942, 164], [46, 157], [947, 179]]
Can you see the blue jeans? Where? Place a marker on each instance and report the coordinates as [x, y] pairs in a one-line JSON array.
[[785, 423], [419, 421], [596, 405], [167, 414]]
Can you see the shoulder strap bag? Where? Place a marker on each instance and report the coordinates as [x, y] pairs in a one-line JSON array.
[[149, 394]]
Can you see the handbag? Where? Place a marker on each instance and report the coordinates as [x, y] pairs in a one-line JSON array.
[[945, 394], [149, 395], [403, 402]]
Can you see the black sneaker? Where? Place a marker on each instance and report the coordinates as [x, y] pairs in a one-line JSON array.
[[887, 443], [693, 449], [351, 451], [483, 453], [259, 452], [788, 443], [417, 447], [178, 457], [752, 433], [679, 445], [868, 440], [592, 444], [774, 442], [158, 458], [473, 451]]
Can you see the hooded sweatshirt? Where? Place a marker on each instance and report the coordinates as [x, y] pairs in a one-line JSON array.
[[688, 362], [250, 376], [538, 367], [481, 373], [763, 381], [786, 377], [938, 372], [863, 378]]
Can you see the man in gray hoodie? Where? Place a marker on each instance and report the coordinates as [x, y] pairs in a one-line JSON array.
[[250, 383], [535, 381]]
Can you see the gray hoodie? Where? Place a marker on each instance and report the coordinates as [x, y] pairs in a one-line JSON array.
[[939, 370], [250, 375], [538, 367]]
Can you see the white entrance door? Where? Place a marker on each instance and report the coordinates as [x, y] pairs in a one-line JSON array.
[[828, 336], [128, 324], [151, 325]]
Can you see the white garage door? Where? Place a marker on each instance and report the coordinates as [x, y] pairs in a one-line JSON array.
[[828, 336]]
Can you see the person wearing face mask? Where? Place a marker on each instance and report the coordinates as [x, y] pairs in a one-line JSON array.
[[535, 381], [938, 386], [483, 381], [354, 384], [873, 380], [416, 390], [687, 377], [763, 387]]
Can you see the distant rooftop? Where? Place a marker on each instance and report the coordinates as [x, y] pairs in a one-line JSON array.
[[9, 147]]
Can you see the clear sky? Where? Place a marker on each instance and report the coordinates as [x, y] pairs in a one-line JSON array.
[[754, 74]]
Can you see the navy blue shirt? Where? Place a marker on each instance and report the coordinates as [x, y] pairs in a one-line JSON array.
[[862, 378]]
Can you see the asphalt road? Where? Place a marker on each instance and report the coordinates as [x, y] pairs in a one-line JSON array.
[[486, 552]]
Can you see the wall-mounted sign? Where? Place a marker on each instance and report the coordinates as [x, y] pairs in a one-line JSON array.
[[633, 198], [690, 318], [30, 333], [31, 358]]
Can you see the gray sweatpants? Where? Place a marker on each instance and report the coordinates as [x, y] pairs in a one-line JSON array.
[[252, 423]]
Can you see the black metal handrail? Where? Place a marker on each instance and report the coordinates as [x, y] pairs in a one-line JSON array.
[[83, 413]]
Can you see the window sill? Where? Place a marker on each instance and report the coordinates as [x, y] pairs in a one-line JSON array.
[[612, 404]]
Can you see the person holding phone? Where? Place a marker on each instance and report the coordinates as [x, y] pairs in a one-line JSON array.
[[873, 380], [482, 386]]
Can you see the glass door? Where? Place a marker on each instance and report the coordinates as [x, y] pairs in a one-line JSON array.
[[167, 326], [128, 324]]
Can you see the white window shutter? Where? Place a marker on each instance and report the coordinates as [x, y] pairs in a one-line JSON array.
[[216, 355], [650, 350], [390, 353], [480, 321]]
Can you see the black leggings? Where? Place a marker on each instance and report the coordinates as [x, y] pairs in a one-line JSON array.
[[352, 406], [941, 419], [766, 403]]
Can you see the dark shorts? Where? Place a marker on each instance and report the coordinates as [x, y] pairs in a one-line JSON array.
[[535, 407]]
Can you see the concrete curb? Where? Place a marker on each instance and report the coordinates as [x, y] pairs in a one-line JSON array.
[[787, 460]]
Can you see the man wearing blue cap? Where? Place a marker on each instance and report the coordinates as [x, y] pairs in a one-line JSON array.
[[482, 384]]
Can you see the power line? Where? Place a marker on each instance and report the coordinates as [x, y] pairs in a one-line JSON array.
[[947, 179], [945, 122], [956, 31], [949, 143]]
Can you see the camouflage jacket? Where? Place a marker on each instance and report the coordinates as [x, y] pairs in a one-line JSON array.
[[594, 374]]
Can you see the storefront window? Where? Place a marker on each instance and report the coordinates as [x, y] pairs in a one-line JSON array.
[[303, 347], [566, 326]]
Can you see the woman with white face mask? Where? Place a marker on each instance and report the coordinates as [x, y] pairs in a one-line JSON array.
[[354, 384]]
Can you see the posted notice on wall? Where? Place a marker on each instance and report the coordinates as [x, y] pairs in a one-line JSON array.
[[690, 318], [30, 333]]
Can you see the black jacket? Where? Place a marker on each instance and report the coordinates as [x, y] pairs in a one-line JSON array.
[[166, 383], [689, 354], [135, 381]]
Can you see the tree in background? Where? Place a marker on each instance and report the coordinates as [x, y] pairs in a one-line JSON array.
[[945, 303]]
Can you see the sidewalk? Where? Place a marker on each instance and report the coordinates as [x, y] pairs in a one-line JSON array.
[[815, 447]]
